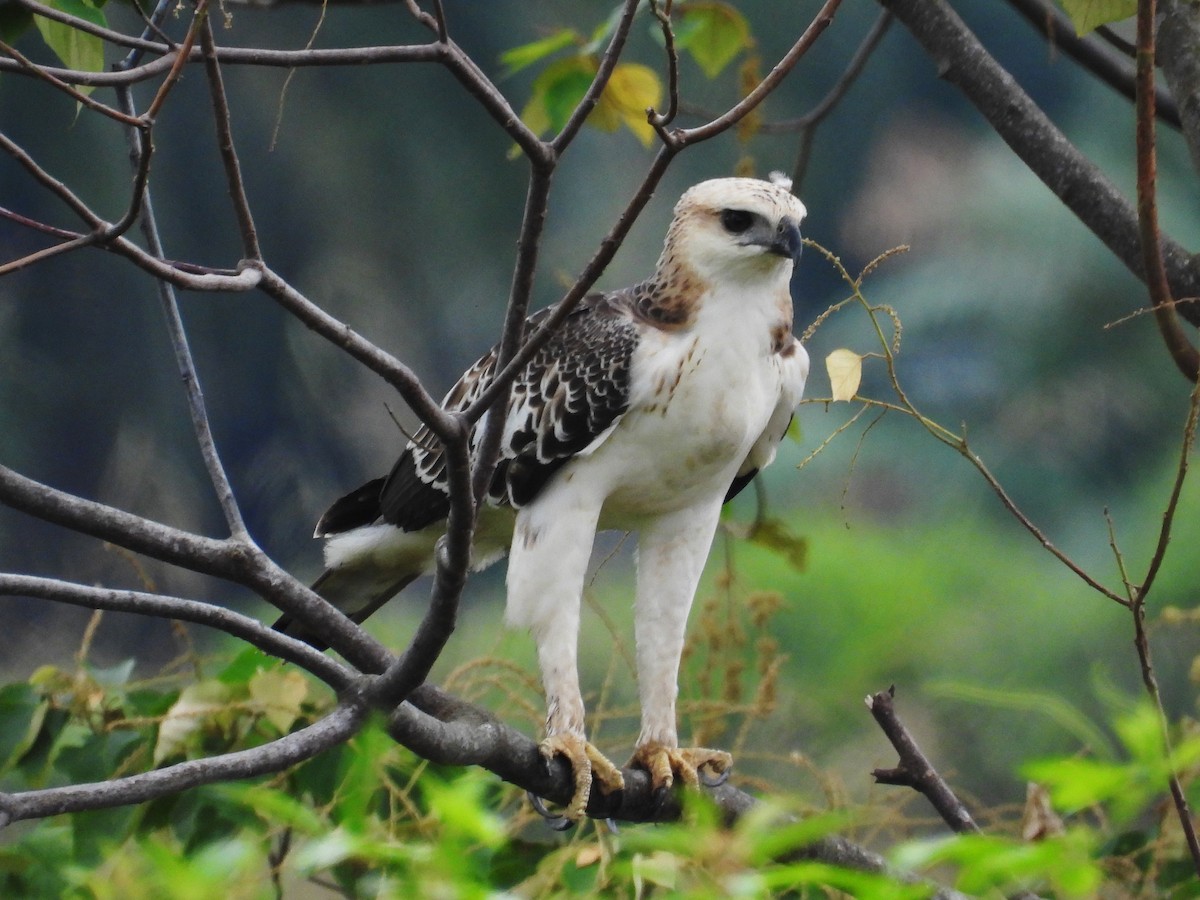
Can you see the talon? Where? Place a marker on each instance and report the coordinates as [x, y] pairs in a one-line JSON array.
[[555, 821], [664, 764], [587, 764], [715, 780]]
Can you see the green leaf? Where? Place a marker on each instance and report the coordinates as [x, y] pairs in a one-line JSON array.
[[75, 48], [556, 93], [526, 55], [1087, 15], [22, 711], [714, 33], [566, 88]]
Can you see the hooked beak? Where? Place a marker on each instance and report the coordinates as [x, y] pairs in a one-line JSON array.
[[786, 241]]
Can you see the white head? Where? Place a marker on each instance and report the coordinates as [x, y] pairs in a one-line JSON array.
[[739, 228]]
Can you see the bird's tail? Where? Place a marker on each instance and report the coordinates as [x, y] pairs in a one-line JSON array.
[[353, 591]]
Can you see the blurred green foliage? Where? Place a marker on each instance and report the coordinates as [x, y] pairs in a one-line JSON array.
[[370, 819]]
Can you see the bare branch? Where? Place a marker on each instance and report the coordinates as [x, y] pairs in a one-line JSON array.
[[341, 335], [276, 756], [1180, 348], [1110, 67], [179, 341], [915, 770], [1092, 197], [229, 159], [162, 606]]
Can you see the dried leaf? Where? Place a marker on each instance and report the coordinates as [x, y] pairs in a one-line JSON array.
[[197, 705], [845, 373], [588, 856], [1039, 820]]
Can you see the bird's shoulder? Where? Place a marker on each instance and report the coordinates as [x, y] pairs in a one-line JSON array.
[[573, 389]]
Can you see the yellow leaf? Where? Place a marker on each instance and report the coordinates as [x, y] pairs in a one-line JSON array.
[[631, 90], [845, 373], [279, 693]]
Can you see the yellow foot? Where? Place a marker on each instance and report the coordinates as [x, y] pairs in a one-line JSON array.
[[665, 764], [588, 764]]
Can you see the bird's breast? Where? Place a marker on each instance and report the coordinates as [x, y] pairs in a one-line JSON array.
[[698, 408]]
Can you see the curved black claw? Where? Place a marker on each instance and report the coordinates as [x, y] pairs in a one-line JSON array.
[[555, 821], [712, 781]]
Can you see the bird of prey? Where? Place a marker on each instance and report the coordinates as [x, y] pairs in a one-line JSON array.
[[647, 410]]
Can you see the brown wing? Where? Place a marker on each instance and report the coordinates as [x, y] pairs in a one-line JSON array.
[[571, 392]]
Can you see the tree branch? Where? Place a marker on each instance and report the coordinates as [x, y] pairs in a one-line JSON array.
[[1074, 179], [1182, 352], [915, 770], [141, 603], [336, 728], [1100, 59], [1179, 56]]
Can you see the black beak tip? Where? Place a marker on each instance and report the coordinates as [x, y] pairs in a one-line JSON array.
[[788, 242]]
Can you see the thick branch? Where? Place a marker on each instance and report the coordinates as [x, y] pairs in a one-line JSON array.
[[1074, 179], [1099, 58]]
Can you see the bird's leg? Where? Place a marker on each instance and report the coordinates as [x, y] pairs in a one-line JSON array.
[[671, 556], [565, 734], [550, 550]]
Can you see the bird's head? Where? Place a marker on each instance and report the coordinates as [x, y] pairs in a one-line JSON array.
[[736, 228]]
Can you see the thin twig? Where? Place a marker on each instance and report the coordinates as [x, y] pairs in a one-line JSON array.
[[808, 124], [822, 20], [915, 770], [183, 354], [229, 158], [78, 96], [663, 15], [141, 603], [1186, 358], [608, 62], [79, 24]]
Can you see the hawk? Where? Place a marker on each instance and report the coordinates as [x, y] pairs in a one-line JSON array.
[[646, 411]]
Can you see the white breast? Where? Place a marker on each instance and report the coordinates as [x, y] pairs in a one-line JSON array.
[[701, 398]]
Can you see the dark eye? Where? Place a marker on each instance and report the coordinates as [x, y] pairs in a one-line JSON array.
[[736, 221]]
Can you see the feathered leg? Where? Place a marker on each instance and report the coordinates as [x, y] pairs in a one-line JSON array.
[[548, 563], [671, 555]]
